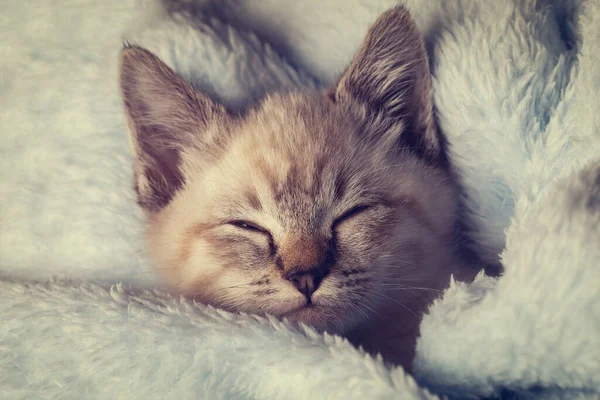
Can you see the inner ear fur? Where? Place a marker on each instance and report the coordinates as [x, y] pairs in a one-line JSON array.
[[165, 115], [388, 84]]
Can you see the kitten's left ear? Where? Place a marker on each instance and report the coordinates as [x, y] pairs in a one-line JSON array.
[[389, 83]]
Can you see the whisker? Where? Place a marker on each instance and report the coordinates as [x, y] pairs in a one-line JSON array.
[[403, 263], [409, 278], [398, 302], [235, 286], [369, 307], [359, 309], [401, 287]]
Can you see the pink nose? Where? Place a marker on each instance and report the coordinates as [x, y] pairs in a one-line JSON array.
[[307, 282]]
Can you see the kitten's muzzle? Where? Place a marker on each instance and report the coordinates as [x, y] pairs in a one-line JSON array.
[[307, 282]]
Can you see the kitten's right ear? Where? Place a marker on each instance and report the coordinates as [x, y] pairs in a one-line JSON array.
[[165, 115]]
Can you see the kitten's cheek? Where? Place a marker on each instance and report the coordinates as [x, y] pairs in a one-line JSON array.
[[189, 267]]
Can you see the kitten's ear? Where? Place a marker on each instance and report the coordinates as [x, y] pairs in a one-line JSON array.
[[165, 115], [389, 83]]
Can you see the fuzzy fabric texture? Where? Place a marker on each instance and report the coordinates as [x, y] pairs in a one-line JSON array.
[[517, 87], [68, 340]]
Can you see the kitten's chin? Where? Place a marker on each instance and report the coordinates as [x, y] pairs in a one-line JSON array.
[[312, 316], [321, 318]]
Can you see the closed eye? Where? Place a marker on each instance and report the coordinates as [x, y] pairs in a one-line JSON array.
[[249, 226], [353, 212]]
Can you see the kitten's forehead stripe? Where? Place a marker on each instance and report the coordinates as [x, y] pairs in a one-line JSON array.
[[293, 181], [253, 200], [317, 176], [339, 187], [268, 173]]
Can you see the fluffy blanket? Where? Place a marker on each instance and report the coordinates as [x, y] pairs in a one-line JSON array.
[[517, 87]]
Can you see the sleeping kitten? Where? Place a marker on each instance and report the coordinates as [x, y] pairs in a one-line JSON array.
[[337, 209]]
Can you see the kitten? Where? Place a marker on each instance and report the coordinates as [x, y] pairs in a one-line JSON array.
[[337, 209]]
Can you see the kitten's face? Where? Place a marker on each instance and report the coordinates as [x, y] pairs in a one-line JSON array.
[[296, 190], [312, 206]]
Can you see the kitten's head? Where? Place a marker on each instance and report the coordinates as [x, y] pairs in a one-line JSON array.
[[310, 206]]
